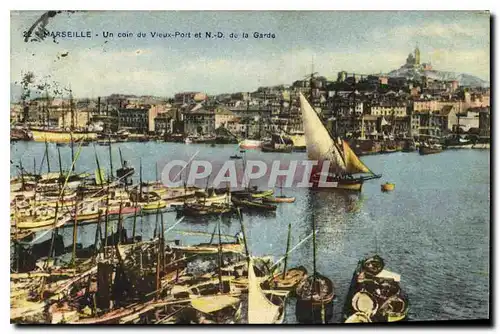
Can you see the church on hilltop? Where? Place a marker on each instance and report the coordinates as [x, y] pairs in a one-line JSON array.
[[413, 61]]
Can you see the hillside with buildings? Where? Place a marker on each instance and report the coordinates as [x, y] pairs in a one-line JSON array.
[[413, 69]]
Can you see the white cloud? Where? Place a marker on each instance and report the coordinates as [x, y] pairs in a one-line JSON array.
[[156, 71]]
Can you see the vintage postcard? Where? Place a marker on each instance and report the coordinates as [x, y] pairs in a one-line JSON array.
[[249, 167]]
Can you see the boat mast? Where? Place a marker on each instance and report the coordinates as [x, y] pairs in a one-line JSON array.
[[63, 112], [243, 231], [72, 153], [22, 174], [71, 109], [135, 220], [121, 157], [99, 175], [221, 288], [75, 231], [120, 223], [47, 155], [110, 157], [162, 245], [287, 249], [60, 165], [314, 254], [140, 179]]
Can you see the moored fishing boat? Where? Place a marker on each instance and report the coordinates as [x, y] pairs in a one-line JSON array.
[[315, 294], [287, 281], [278, 199], [375, 294], [151, 207], [425, 149], [262, 193], [88, 213], [60, 136], [253, 204], [125, 209], [263, 308], [409, 146], [278, 144], [209, 248], [314, 300], [197, 209], [33, 224], [252, 193], [249, 144]]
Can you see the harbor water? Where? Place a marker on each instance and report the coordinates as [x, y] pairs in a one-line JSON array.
[[433, 229]]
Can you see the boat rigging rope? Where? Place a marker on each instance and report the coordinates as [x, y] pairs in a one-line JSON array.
[[293, 248]]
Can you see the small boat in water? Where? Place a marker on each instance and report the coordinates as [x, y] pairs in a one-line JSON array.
[[288, 281], [314, 300], [278, 199], [252, 193], [409, 146], [152, 207], [375, 294], [262, 193], [425, 149], [196, 209], [387, 187], [249, 144], [263, 308], [315, 294], [253, 204]]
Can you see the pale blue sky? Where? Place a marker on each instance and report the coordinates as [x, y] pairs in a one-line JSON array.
[[364, 42]]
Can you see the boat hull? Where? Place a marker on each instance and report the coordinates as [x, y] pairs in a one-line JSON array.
[[278, 199], [387, 187], [427, 150], [317, 310], [61, 137], [308, 312], [250, 144]]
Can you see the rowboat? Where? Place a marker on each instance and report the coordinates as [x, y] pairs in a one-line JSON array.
[[314, 300], [430, 149], [262, 193], [125, 210], [253, 205], [248, 144], [153, 206], [196, 209], [289, 282], [376, 293], [207, 248], [278, 199], [90, 213], [36, 223]]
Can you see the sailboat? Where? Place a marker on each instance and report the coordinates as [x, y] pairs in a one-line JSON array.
[[263, 308], [315, 294], [322, 146]]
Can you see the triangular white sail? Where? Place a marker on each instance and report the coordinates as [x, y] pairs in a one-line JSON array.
[[319, 143], [260, 309]]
